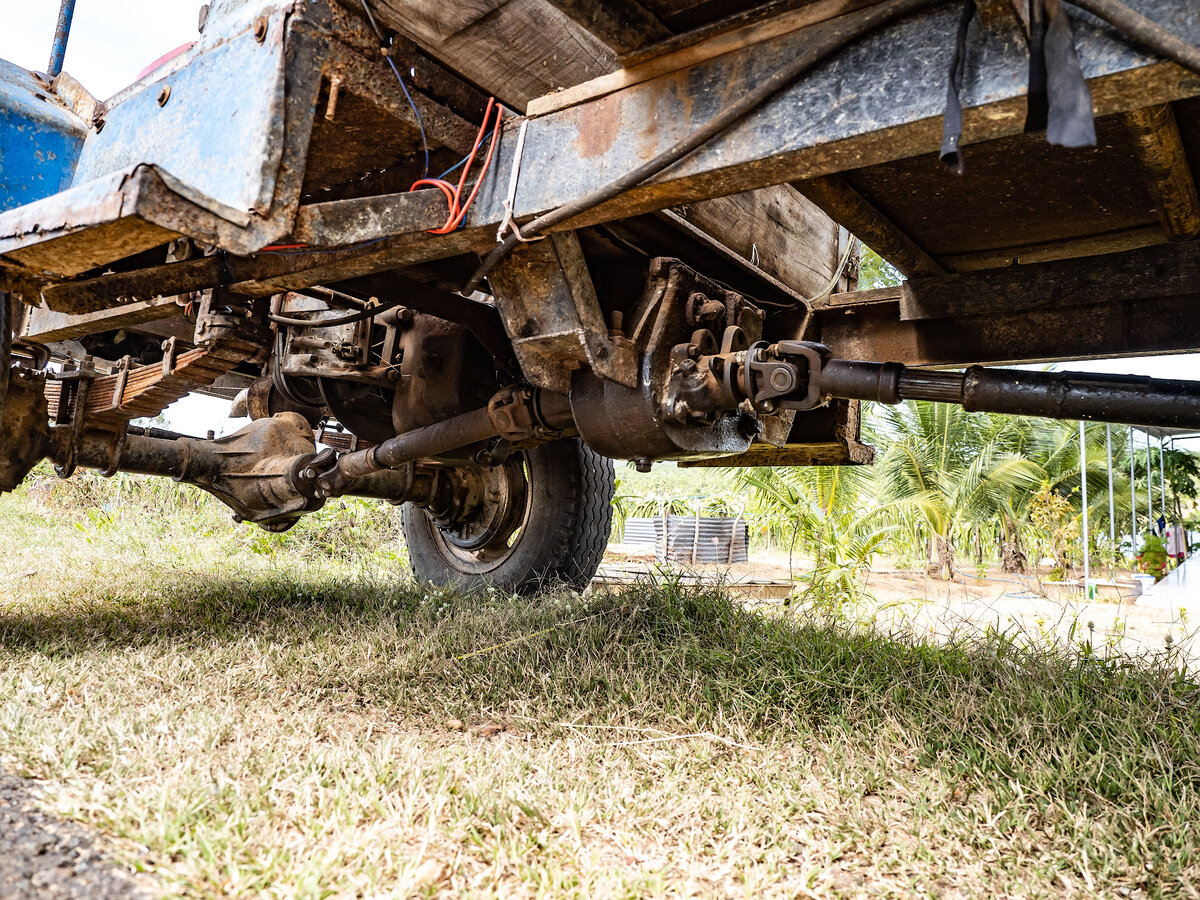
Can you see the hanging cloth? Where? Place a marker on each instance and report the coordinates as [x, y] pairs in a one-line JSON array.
[[952, 120], [1059, 101], [1069, 121]]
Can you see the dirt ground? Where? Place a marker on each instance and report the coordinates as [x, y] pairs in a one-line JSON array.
[[906, 599]]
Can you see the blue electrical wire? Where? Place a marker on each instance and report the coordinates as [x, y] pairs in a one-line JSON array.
[[385, 45], [487, 137], [416, 112]]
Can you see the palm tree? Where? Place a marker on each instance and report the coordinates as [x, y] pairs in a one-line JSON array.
[[830, 516], [947, 472]]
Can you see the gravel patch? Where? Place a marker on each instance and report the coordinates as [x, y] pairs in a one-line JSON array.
[[46, 857]]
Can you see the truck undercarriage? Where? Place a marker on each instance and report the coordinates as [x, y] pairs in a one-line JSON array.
[[650, 253]]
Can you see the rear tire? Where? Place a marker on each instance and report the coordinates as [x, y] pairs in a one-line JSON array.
[[563, 530]]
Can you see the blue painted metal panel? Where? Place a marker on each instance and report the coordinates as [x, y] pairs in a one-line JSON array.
[[40, 140], [213, 118]]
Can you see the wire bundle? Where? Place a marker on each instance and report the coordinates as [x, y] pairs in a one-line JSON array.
[[458, 209]]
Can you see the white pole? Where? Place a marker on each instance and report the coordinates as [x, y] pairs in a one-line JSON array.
[[1133, 535], [1162, 475], [1087, 562], [1149, 484], [1112, 507]]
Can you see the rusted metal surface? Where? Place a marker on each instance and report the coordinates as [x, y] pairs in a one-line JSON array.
[[92, 225], [343, 222], [887, 110], [545, 417], [546, 297], [139, 183], [681, 317], [221, 135], [145, 391], [828, 436], [878, 122], [24, 432]]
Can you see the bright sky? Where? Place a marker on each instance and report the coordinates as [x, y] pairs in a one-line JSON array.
[[112, 40]]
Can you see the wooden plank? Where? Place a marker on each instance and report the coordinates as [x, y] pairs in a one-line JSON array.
[[339, 223], [1116, 328], [1140, 302], [47, 327], [873, 297], [513, 49], [1163, 271], [1166, 170], [849, 208], [1093, 245], [690, 54], [778, 230], [622, 25]]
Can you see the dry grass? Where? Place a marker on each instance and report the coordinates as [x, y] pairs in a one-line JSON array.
[[298, 721]]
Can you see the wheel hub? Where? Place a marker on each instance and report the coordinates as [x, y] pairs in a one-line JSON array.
[[494, 507]]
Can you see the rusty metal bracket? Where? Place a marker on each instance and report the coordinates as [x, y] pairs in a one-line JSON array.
[[122, 374], [168, 360], [550, 310], [80, 382], [115, 453]]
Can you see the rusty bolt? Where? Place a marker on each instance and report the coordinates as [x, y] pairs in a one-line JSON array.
[[260, 29], [98, 124], [164, 95], [687, 366]]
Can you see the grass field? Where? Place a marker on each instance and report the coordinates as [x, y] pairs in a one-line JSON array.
[[262, 716]]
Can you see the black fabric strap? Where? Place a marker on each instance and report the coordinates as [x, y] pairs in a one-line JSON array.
[[1070, 121], [952, 121], [1038, 109], [1059, 102]]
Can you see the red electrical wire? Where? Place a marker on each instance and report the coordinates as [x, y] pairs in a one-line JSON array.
[[458, 209]]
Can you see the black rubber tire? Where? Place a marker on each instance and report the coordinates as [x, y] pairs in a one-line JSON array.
[[562, 541]]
